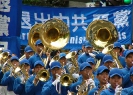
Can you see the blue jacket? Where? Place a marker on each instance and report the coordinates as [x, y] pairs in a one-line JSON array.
[[122, 61], [18, 87], [127, 91], [83, 58], [50, 89], [1, 76], [35, 58], [8, 81], [108, 91], [31, 89], [126, 77], [93, 91]]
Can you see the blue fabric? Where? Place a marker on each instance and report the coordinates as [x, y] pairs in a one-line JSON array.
[[18, 87], [55, 64], [99, 56], [83, 58], [24, 61], [1, 76], [126, 77], [108, 91], [50, 89], [31, 89], [8, 81], [84, 65], [35, 58], [93, 91], [127, 91], [122, 61], [128, 52], [115, 71], [28, 49]]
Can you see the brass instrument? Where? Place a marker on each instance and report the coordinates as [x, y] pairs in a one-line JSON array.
[[109, 50], [22, 57], [55, 58], [101, 33], [6, 66], [54, 35], [4, 57], [100, 90], [43, 75], [83, 88]]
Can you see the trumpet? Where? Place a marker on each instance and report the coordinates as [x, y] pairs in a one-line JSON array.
[[42, 75]]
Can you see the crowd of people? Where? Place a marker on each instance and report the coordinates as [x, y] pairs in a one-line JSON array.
[[89, 72]]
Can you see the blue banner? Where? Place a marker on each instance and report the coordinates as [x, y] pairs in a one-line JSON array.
[[11, 43], [78, 20], [10, 18], [10, 25]]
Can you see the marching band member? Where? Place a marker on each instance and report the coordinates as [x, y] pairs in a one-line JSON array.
[[8, 78], [62, 59], [102, 75], [118, 49], [115, 80], [28, 52], [33, 85], [108, 61], [53, 86], [129, 90], [88, 49], [19, 83], [84, 79], [36, 56], [126, 71]]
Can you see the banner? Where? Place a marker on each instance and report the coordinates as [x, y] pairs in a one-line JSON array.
[[78, 20], [10, 25], [11, 43], [10, 18]]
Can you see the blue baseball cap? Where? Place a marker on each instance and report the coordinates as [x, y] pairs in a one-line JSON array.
[[28, 49], [62, 55], [84, 65], [38, 42], [24, 61], [55, 64], [117, 45], [115, 71], [107, 58], [14, 58], [87, 44], [74, 49], [83, 43], [38, 63], [91, 60], [9, 51], [131, 71], [128, 52], [101, 69]]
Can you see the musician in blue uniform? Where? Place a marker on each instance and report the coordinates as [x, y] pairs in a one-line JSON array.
[[108, 61], [28, 52], [53, 86], [8, 78], [39, 47], [102, 76], [33, 85], [19, 83], [126, 71], [115, 80], [88, 49], [85, 75], [118, 49], [129, 90]]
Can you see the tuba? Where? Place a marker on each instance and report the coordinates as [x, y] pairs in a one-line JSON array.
[[101, 34]]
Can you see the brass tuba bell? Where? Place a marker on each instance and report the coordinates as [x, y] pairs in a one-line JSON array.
[[101, 34], [34, 35], [54, 34]]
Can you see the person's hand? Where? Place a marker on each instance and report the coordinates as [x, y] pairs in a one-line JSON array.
[[36, 80], [22, 79], [118, 90], [56, 81], [75, 76], [92, 55], [11, 70], [91, 83]]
